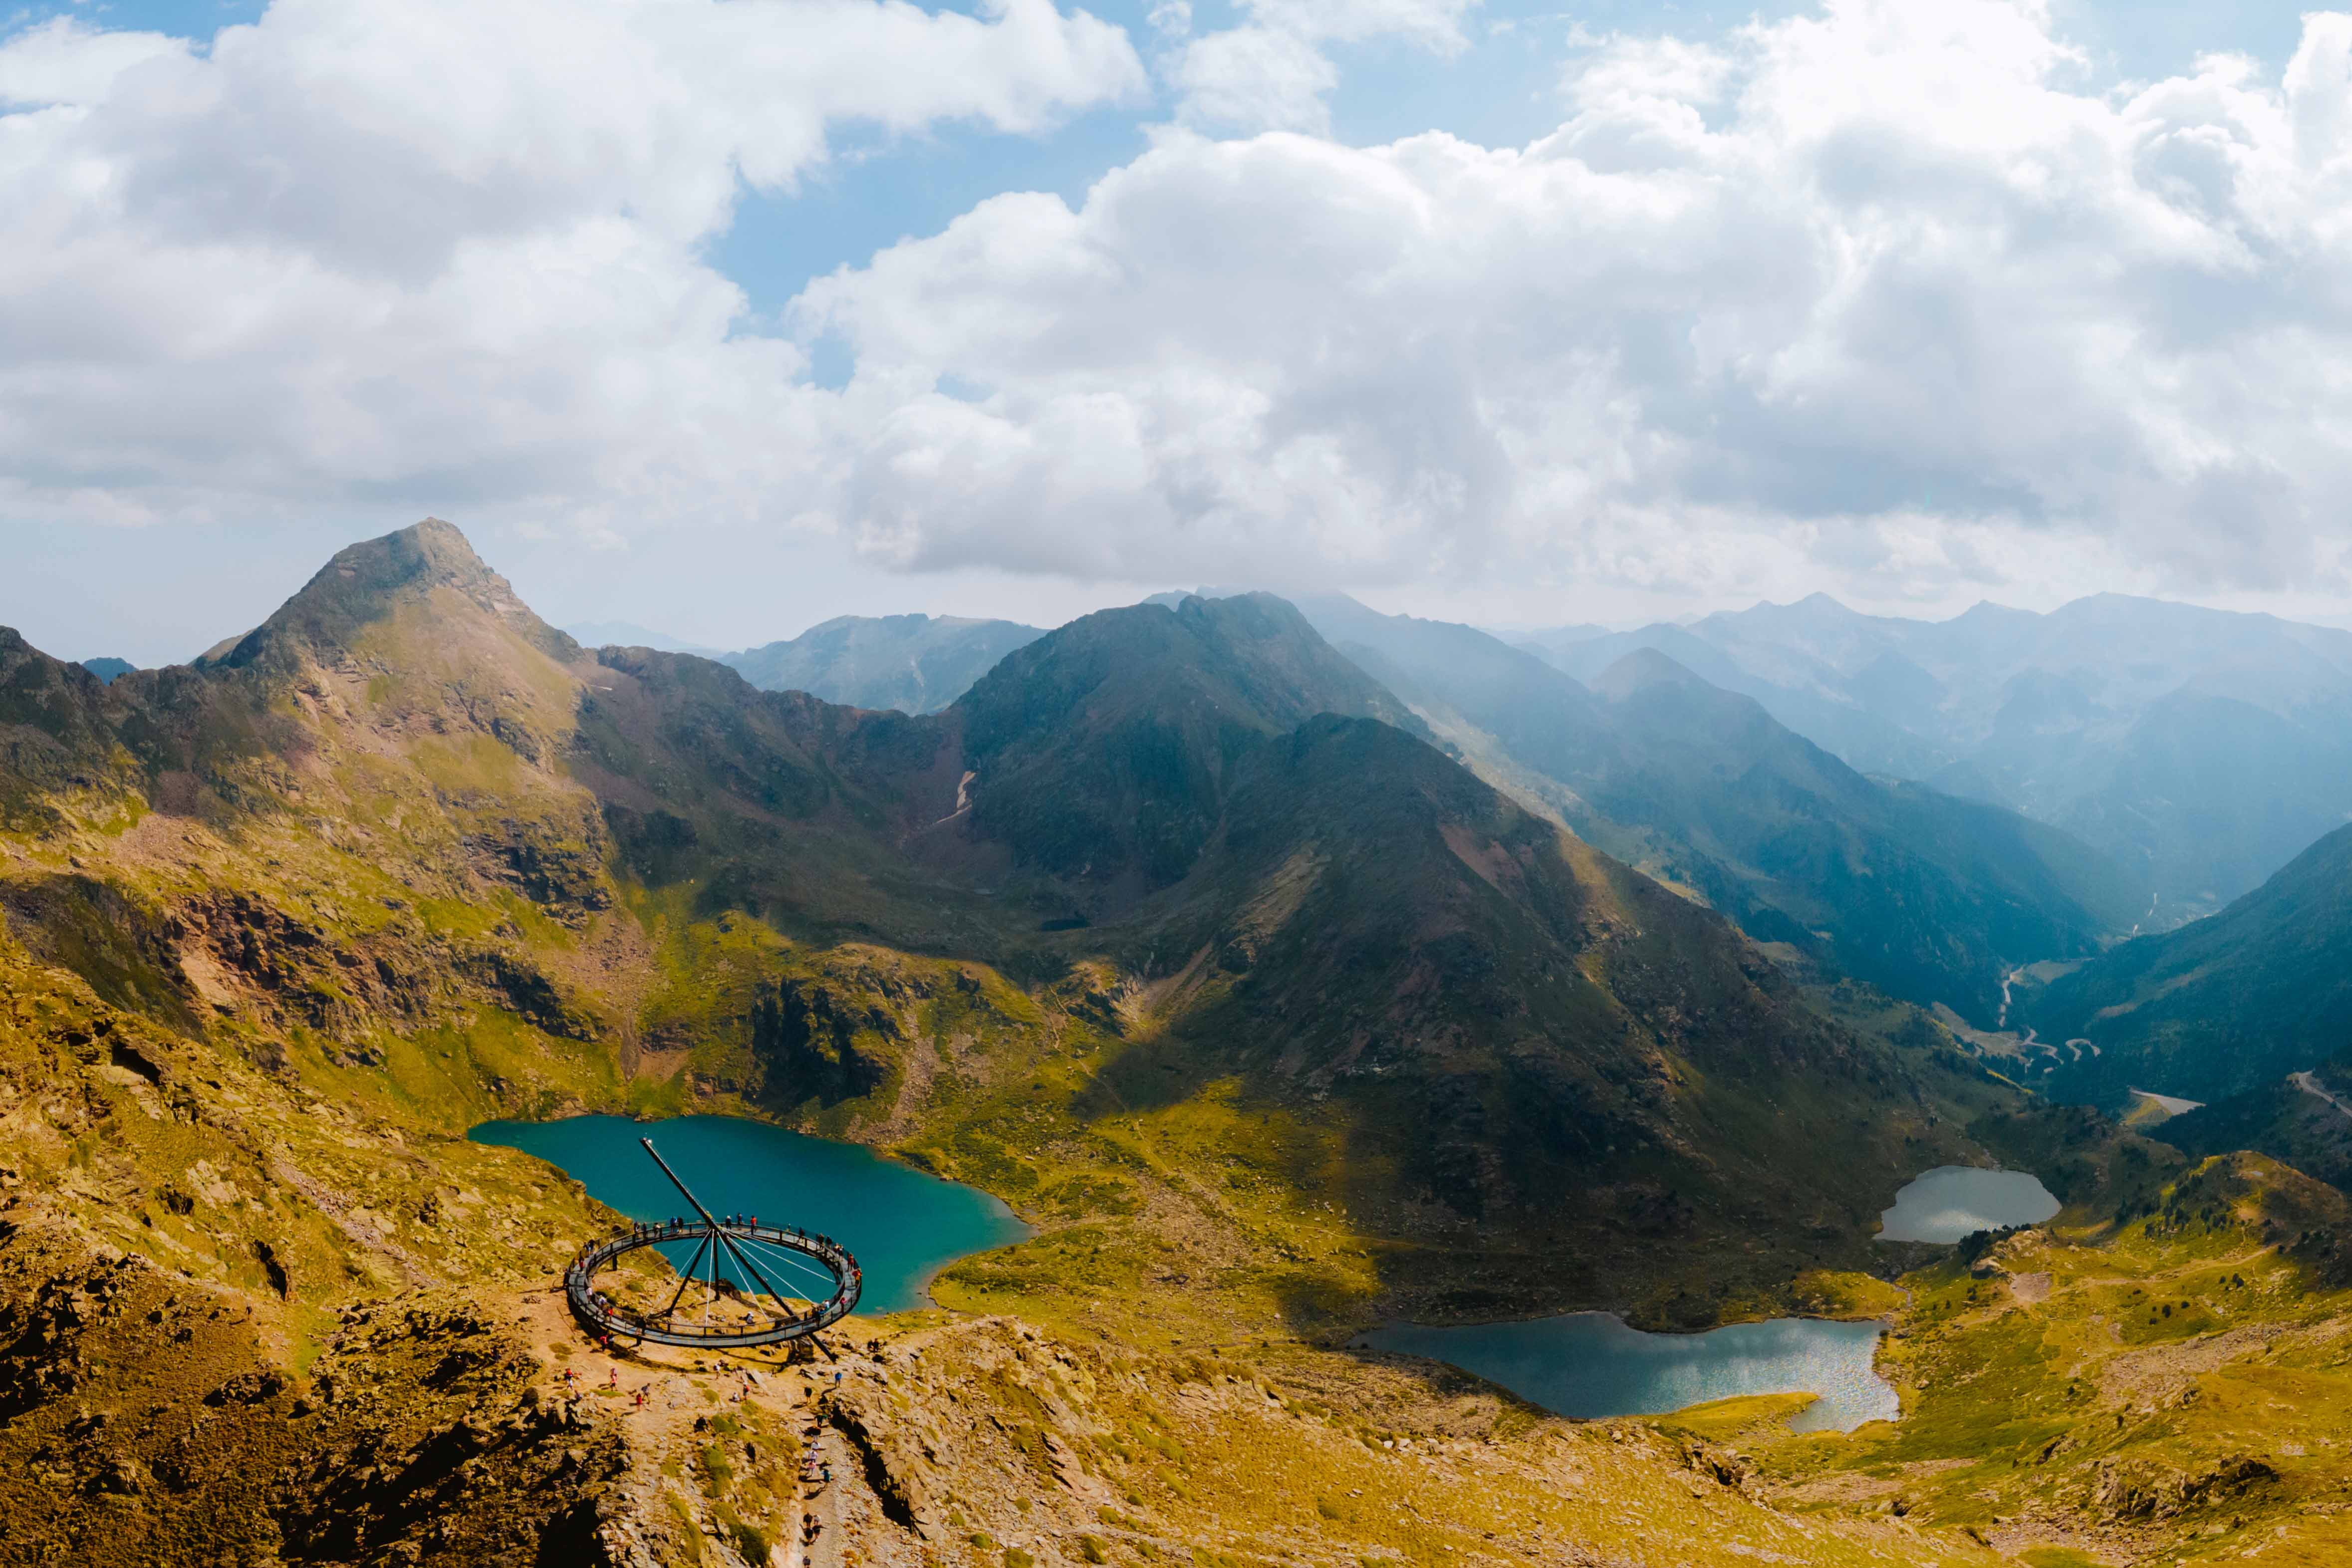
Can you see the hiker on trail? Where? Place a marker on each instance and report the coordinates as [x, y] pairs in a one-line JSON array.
[[613, 1381], [641, 1397]]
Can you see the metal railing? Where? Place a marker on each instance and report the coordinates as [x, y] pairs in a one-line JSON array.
[[743, 1241], [710, 1238]]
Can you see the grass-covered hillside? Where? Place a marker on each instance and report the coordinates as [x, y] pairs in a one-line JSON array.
[[2167, 1384]]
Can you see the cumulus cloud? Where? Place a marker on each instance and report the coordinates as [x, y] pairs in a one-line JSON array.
[[1883, 299], [1880, 295], [379, 248], [1274, 72]]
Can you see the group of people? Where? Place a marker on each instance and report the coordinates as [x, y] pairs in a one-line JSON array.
[[640, 1230]]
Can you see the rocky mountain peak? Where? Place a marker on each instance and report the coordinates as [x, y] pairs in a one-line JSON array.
[[365, 583]]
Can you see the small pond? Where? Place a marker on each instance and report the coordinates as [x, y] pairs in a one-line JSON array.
[[1590, 1365], [903, 1225], [1950, 1201]]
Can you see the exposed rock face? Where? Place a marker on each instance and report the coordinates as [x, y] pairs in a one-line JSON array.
[[891, 1457], [2148, 1490], [808, 1036], [559, 867], [139, 1423], [513, 984]]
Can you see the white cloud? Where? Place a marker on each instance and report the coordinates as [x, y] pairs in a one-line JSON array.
[[1876, 296], [1274, 72], [1881, 300], [422, 248], [58, 63], [1260, 79]]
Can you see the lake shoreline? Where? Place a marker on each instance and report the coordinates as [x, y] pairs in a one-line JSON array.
[[1594, 1366], [906, 1224]]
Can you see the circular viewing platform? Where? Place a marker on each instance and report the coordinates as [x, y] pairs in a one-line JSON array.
[[807, 1283], [764, 1284]]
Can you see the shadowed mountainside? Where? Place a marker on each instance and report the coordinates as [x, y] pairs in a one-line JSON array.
[[1928, 896], [2227, 1004], [2304, 1119]]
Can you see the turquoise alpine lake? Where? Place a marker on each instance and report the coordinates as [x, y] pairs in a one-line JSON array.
[[903, 1225], [1949, 1201], [1590, 1365]]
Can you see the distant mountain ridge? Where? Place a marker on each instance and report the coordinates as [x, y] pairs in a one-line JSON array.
[[1925, 895], [2201, 748], [915, 663]]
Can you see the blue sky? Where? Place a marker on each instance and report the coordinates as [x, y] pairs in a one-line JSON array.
[[1446, 384]]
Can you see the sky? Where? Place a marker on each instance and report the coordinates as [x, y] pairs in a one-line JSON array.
[[723, 316]]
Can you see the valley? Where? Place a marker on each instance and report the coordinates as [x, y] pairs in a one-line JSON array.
[[1181, 932]]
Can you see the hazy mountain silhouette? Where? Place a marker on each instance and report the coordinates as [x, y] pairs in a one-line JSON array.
[[918, 664], [1929, 896], [2201, 747]]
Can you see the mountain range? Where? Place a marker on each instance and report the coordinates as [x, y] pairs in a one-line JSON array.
[[1284, 979], [2200, 749], [1931, 897], [919, 664], [319, 824]]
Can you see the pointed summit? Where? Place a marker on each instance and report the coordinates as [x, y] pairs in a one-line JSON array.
[[1104, 749], [367, 582]]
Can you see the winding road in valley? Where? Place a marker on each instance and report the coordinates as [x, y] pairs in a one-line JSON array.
[[2310, 1086]]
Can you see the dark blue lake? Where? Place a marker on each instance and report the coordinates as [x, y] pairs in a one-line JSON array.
[[1590, 1365], [903, 1225]]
